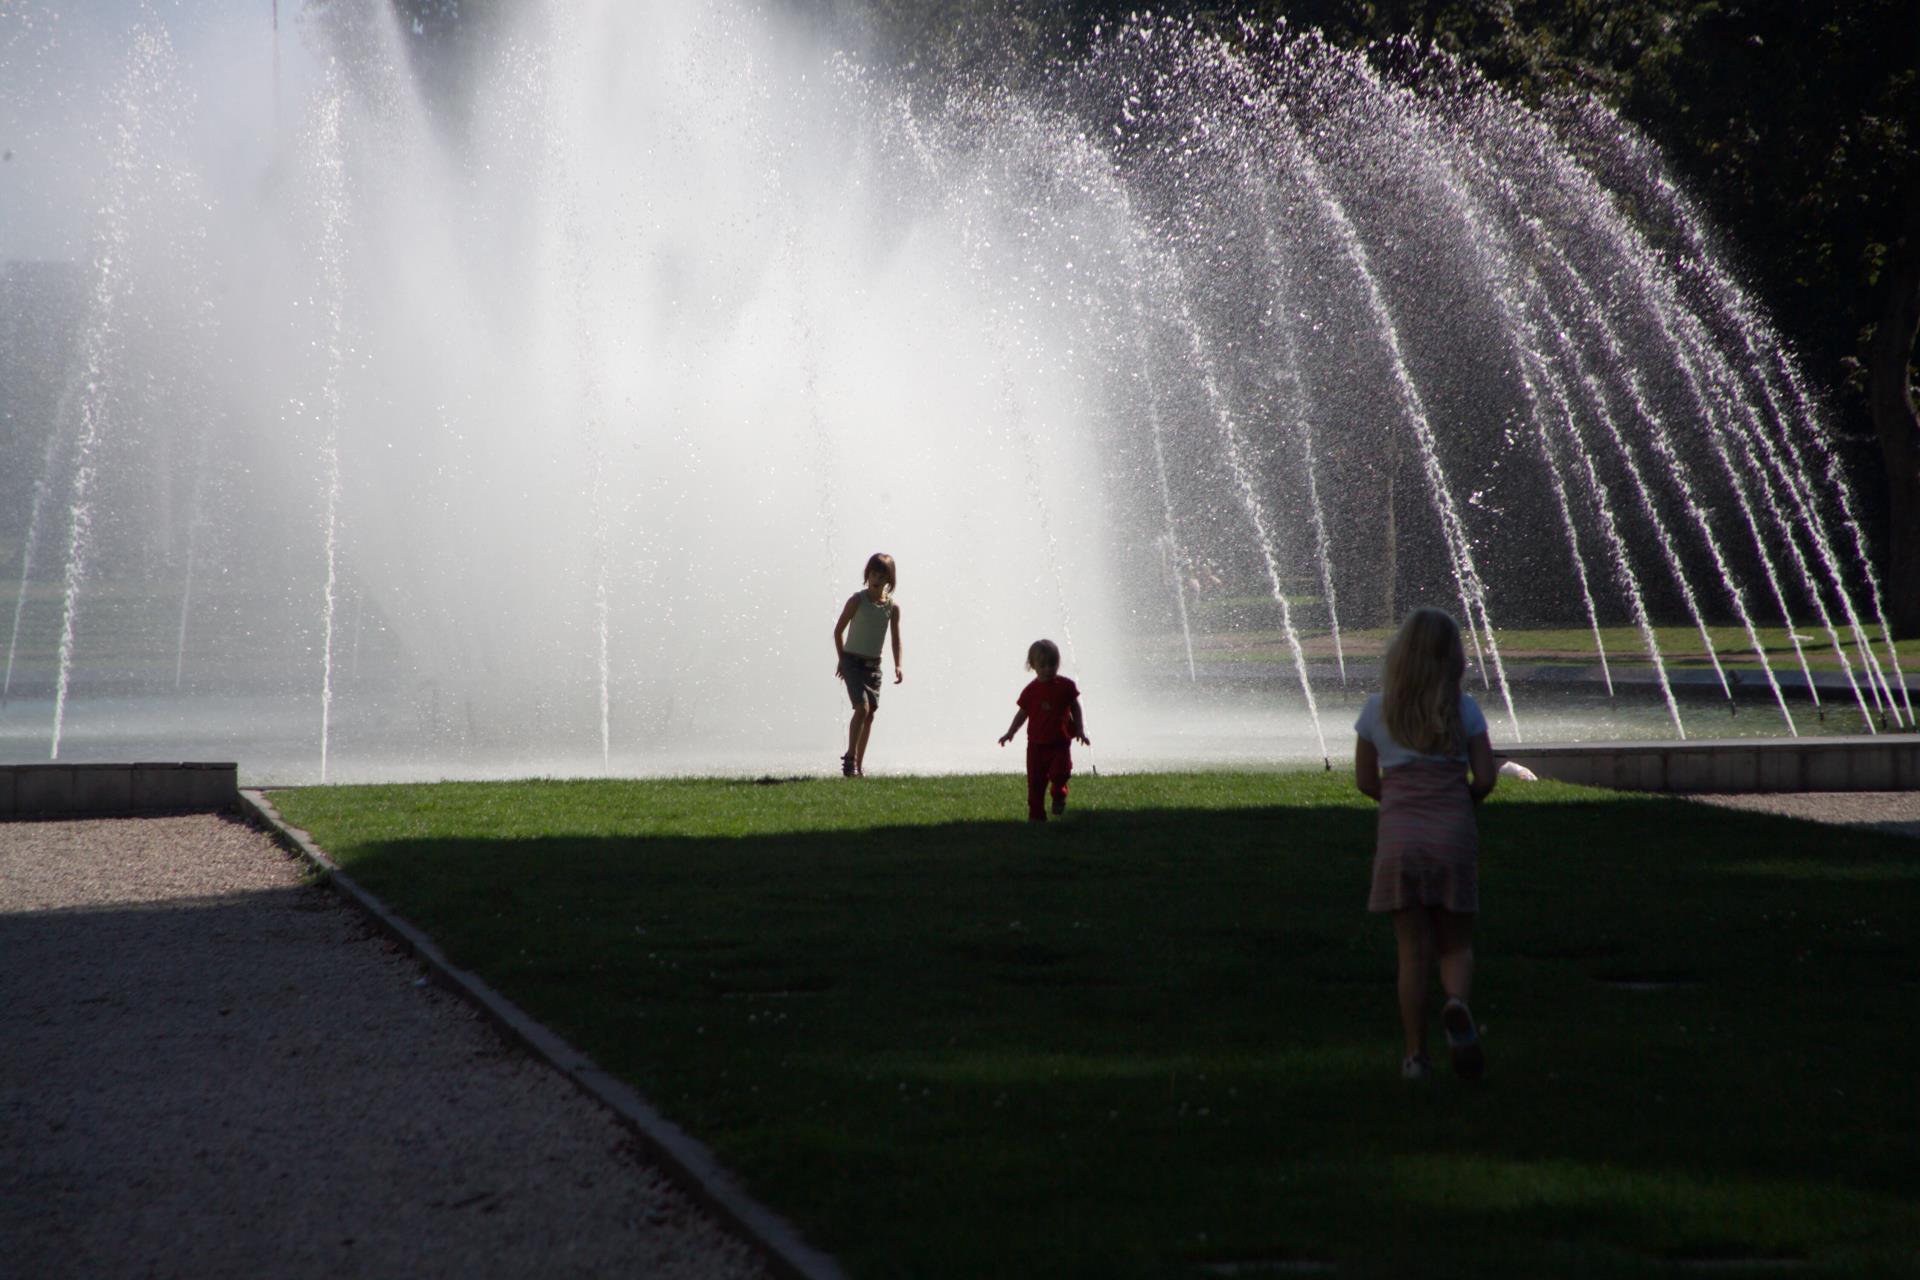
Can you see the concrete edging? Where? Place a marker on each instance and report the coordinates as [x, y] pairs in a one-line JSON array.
[[57, 790], [679, 1154], [1880, 762]]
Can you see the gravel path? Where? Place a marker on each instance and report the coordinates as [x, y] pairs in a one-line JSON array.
[[209, 1069], [1894, 811]]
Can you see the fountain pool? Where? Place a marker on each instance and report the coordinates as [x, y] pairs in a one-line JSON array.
[[538, 422]]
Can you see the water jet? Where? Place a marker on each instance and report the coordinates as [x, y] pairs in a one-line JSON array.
[[536, 423]]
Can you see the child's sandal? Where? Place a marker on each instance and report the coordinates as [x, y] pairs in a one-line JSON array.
[[846, 765]]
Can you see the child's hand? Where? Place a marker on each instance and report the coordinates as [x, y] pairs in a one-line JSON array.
[[899, 674], [1005, 738], [1085, 741]]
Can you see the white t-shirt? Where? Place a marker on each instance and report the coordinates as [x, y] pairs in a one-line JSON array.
[[1372, 725]]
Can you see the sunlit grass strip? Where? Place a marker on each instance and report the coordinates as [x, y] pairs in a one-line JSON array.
[[1679, 646], [1161, 1035]]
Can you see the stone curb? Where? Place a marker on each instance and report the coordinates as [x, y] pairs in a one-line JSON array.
[[679, 1154], [1884, 762], [56, 791]]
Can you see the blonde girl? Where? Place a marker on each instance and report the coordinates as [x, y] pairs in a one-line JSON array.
[[869, 615], [1418, 741]]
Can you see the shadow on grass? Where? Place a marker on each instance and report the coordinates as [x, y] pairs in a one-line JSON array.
[[1152, 1038]]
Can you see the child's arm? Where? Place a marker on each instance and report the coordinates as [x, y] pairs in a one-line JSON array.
[[1480, 760], [898, 674], [1019, 718], [1077, 722], [840, 631], [1366, 767]]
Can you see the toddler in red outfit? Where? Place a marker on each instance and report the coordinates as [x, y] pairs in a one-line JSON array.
[[1050, 708]]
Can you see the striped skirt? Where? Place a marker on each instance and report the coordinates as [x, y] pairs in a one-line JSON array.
[[1428, 850]]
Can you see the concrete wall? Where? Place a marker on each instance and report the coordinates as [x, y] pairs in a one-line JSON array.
[[66, 790], [1887, 762]]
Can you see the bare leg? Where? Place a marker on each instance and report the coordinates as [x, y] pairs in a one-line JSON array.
[[1454, 938], [860, 747], [1413, 929], [1454, 935], [854, 726]]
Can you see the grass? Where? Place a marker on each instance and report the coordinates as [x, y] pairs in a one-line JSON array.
[[1160, 1036], [1680, 647]]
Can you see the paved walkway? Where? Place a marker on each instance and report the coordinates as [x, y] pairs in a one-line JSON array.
[[1894, 811], [208, 1069]]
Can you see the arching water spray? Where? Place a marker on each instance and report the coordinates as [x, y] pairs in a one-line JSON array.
[[1168, 279], [1097, 178], [1014, 417], [1256, 512], [1677, 470], [57, 436], [570, 175], [196, 527], [329, 164], [1772, 481], [146, 73], [1718, 393], [1473, 596], [1170, 538], [1772, 365], [1293, 378], [1013, 414], [1497, 263], [1636, 392]]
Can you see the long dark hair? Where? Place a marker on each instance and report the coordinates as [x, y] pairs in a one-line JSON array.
[[883, 562]]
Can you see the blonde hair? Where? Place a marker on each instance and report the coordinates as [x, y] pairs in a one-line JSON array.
[[1420, 700], [884, 563], [1042, 649]]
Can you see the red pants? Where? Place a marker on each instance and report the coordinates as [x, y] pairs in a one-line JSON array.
[[1047, 762]]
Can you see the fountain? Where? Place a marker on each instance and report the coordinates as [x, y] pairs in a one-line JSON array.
[[539, 425]]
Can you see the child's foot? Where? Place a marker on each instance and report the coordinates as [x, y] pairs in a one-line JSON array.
[[847, 767], [1059, 804], [1416, 1067], [1463, 1040]]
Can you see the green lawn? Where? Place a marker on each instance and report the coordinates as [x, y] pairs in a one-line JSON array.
[[1680, 646], [1160, 1036]]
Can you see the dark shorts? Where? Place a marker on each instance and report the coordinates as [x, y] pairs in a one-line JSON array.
[[863, 680]]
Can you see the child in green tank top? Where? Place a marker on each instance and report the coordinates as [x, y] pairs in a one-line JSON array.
[[858, 639]]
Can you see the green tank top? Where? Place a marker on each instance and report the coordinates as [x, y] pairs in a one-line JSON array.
[[867, 633]]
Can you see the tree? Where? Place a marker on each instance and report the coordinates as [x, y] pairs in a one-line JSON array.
[[1796, 125], [1890, 379]]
